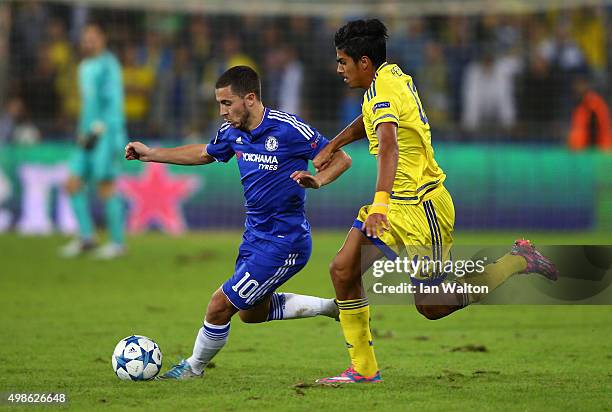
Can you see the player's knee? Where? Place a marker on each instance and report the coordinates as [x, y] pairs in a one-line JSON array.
[[431, 312], [73, 185], [106, 190], [341, 272]]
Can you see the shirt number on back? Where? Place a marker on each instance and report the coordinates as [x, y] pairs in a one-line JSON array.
[[413, 90]]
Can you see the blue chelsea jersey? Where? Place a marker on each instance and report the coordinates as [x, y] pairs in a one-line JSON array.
[[266, 157]]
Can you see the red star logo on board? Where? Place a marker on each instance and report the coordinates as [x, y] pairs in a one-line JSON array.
[[155, 196]]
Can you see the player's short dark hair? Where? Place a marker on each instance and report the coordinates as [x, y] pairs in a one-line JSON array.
[[360, 38], [242, 79]]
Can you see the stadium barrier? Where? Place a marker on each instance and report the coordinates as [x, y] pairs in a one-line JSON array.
[[494, 187]]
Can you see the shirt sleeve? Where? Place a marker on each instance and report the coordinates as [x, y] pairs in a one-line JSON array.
[[309, 148], [112, 88], [317, 144], [384, 107], [90, 110], [220, 147]]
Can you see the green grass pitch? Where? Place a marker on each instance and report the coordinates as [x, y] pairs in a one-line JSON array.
[[61, 320]]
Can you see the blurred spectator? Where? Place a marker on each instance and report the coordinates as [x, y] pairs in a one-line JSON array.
[[60, 50], [200, 44], [154, 52], [30, 27], [562, 50], [63, 64], [566, 59], [488, 94], [175, 109], [11, 114], [588, 28], [539, 93], [590, 119], [408, 49], [350, 106], [439, 51], [323, 88], [5, 29], [138, 80], [258, 33], [459, 52], [39, 90], [508, 34], [300, 32], [15, 125], [231, 55], [284, 79], [431, 80]]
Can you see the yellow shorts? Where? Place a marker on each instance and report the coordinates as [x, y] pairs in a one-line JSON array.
[[424, 229]]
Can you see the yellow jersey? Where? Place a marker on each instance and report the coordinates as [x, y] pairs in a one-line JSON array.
[[392, 97]]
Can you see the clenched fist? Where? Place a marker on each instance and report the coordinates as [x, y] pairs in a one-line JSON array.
[[138, 151]]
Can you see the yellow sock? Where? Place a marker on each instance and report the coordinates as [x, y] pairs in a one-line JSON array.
[[494, 275], [355, 322]]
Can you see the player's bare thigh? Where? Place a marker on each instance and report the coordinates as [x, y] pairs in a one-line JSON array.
[[351, 261]]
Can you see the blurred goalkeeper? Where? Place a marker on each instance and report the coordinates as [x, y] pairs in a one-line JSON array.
[[272, 150], [101, 137]]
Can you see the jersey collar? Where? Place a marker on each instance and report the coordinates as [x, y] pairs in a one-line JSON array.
[[256, 131], [382, 66]]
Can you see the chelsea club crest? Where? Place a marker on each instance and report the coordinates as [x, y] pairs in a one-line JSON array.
[[271, 143]]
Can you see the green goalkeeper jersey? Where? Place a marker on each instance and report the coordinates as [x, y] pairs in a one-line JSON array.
[[101, 90]]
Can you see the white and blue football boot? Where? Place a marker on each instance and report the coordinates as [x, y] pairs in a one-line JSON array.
[[180, 371]]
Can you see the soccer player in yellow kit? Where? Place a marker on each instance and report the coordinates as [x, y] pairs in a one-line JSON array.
[[411, 209]]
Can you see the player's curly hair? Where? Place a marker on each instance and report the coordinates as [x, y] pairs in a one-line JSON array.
[[242, 79], [360, 38]]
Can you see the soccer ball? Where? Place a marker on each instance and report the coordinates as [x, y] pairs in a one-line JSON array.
[[137, 358]]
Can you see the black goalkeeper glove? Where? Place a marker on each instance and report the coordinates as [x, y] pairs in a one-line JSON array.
[[89, 140]]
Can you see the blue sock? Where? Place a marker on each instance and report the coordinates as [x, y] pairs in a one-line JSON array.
[[277, 306]]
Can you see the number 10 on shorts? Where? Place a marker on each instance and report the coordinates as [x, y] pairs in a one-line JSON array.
[[245, 288]]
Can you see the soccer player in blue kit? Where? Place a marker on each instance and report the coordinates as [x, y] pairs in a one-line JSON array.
[[272, 149]]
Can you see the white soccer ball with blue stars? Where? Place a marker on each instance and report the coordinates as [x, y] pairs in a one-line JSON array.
[[137, 358]]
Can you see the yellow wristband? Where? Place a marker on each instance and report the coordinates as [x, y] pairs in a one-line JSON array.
[[380, 204]]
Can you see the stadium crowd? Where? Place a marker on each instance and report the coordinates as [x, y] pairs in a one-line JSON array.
[[512, 77]]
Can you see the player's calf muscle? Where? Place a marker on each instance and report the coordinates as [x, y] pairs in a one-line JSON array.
[[346, 277], [436, 306], [220, 310]]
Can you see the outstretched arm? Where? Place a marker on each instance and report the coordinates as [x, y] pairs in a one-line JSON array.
[[352, 132], [191, 154], [338, 164]]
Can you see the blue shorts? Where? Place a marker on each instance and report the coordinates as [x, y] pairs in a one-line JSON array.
[[262, 266]]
